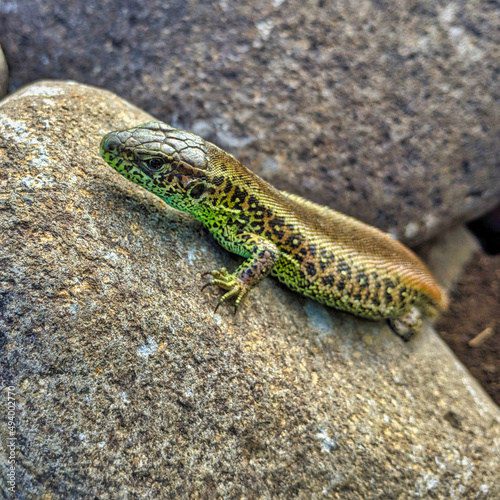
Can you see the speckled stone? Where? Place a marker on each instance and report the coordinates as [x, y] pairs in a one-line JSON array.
[[388, 111], [4, 74], [128, 385]]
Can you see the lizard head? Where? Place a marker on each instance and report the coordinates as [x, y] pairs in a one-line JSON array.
[[168, 162]]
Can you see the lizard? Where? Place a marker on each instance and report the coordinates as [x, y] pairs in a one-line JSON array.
[[323, 254]]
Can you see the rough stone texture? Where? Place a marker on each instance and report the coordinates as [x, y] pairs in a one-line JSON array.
[[129, 386], [386, 110], [4, 74]]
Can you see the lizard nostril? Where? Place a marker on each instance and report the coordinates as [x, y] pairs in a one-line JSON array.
[[109, 143]]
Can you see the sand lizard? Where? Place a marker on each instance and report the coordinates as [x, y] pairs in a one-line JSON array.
[[323, 254]]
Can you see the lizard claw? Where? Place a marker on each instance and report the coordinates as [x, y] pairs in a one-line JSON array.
[[217, 306], [210, 282]]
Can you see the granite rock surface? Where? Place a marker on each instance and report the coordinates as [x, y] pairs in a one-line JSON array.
[[387, 111], [127, 385]]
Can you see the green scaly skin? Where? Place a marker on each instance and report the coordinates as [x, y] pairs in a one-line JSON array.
[[323, 254]]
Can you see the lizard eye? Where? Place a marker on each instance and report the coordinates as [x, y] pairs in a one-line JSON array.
[[154, 163], [197, 191]]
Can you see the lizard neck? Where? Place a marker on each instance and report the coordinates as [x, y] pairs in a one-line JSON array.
[[234, 190]]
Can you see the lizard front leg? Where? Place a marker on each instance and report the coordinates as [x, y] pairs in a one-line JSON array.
[[261, 256]]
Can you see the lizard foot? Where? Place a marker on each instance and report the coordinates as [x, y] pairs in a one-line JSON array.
[[407, 325], [227, 281]]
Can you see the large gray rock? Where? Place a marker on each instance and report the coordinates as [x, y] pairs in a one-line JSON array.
[[386, 110], [128, 385]]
